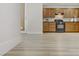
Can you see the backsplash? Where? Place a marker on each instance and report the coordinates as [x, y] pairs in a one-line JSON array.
[[65, 19]]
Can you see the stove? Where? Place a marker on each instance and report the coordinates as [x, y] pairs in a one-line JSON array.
[[60, 26]]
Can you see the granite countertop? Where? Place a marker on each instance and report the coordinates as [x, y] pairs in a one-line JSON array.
[[65, 20]]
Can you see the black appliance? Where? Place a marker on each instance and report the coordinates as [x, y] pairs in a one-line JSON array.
[[60, 26]]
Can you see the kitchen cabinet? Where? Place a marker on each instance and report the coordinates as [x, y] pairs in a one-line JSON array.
[[76, 12], [49, 27], [48, 12], [68, 12], [45, 26], [71, 26], [45, 12], [52, 27], [76, 26], [51, 12]]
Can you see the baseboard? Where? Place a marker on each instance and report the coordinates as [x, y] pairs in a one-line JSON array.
[[34, 33], [31, 32], [8, 45], [23, 32]]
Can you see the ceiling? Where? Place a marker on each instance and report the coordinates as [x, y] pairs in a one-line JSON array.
[[61, 4]]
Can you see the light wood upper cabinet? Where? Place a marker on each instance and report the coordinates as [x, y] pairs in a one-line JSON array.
[[68, 12], [76, 12], [52, 12], [48, 12]]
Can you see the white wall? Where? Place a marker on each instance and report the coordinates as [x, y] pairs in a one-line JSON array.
[[33, 18], [9, 26]]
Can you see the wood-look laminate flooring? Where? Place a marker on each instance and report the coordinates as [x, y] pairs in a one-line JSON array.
[[48, 44]]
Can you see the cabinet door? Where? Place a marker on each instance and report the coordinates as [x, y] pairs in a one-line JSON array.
[[70, 12], [52, 12], [65, 13], [46, 12], [69, 27], [77, 27], [52, 27], [45, 27], [75, 12]]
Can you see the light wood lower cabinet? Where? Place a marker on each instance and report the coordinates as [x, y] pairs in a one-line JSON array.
[[77, 27], [72, 27], [52, 27], [69, 27], [45, 26], [49, 27]]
